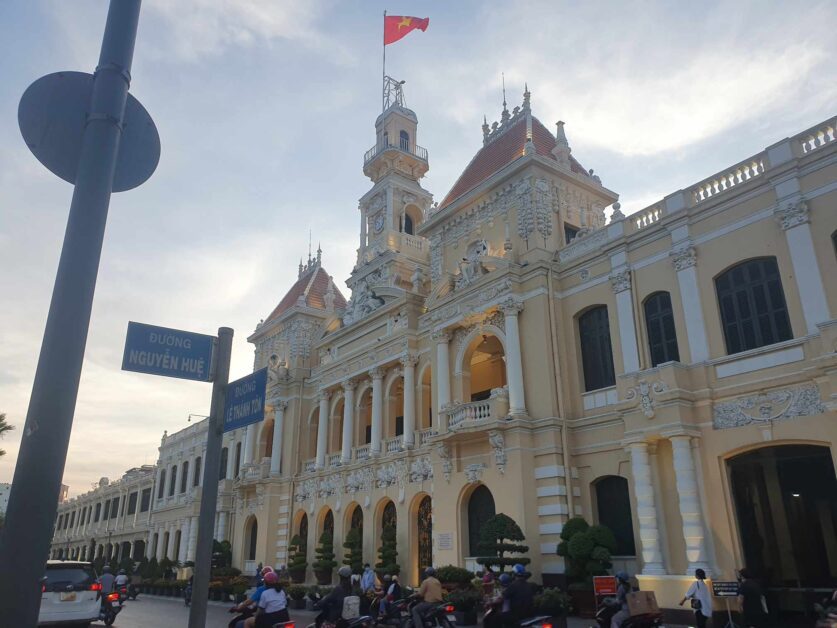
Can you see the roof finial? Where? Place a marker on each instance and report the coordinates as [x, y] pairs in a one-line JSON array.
[[505, 115], [309, 247], [300, 268], [485, 129], [526, 98], [562, 148], [319, 253]]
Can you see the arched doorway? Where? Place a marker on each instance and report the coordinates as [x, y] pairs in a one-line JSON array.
[[424, 535], [139, 550], [480, 509], [613, 506], [785, 500], [302, 533], [328, 524], [251, 537], [389, 517], [483, 367], [356, 523]]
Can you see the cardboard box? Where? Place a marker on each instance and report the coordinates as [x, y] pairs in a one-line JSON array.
[[642, 603]]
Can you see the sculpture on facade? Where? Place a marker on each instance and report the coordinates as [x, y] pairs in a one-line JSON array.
[[363, 302], [471, 267]]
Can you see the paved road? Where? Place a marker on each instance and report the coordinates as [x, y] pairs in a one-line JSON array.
[[162, 612]]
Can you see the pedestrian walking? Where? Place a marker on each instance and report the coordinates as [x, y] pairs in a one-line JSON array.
[[752, 601], [701, 599]]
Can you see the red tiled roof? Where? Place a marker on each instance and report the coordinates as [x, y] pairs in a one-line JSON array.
[[312, 285], [502, 151]]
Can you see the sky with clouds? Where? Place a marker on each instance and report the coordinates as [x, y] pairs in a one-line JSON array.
[[265, 108]]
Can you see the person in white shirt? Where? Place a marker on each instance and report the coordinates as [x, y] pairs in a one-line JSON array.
[[701, 598], [121, 578], [273, 604]]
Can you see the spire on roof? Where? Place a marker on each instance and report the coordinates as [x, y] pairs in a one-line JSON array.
[[319, 254], [562, 148], [300, 268], [529, 147], [505, 116], [485, 129]]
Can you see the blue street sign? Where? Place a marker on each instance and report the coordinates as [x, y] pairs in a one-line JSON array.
[[168, 352], [245, 400]]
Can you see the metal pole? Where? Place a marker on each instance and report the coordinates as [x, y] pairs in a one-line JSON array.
[[384, 73], [211, 473], [33, 500]]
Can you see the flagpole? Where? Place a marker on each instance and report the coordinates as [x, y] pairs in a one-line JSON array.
[[384, 72]]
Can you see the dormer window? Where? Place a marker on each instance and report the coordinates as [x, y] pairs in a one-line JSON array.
[[405, 141]]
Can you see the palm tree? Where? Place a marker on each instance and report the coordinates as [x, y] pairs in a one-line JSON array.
[[4, 427]]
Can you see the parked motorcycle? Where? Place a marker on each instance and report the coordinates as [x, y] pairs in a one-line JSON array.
[[610, 606], [110, 608]]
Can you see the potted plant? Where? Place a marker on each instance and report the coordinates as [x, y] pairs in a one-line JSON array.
[[497, 538], [325, 563], [296, 560], [465, 601], [453, 577], [387, 554], [216, 590], [586, 550], [555, 603], [354, 551], [240, 584], [296, 593]]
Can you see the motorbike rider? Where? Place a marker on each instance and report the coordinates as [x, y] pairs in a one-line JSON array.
[[520, 597], [107, 580], [248, 607], [331, 606], [622, 591], [430, 593], [498, 603]]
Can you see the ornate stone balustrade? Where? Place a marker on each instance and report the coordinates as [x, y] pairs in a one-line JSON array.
[[473, 411], [309, 465], [723, 181], [333, 460], [392, 445], [647, 217], [362, 452], [818, 136], [413, 242], [423, 436]]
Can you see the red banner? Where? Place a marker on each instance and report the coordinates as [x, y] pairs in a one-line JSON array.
[[396, 26]]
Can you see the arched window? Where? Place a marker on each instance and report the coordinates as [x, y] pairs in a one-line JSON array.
[[424, 527], [480, 510], [659, 321], [408, 224], [328, 524], [752, 304], [614, 509], [389, 518], [197, 480], [173, 480], [184, 478], [303, 534], [161, 490], [596, 353], [404, 140], [252, 538], [225, 455]]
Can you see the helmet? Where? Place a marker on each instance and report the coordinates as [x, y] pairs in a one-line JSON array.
[[121, 572], [622, 576], [345, 572], [505, 579], [106, 569], [271, 577], [519, 570], [430, 571], [267, 570]]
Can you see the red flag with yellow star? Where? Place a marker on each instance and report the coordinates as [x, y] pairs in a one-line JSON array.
[[396, 26]]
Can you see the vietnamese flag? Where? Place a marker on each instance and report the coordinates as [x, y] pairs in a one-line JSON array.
[[396, 26]]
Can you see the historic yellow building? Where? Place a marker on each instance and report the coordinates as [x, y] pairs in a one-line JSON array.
[[671, 373]]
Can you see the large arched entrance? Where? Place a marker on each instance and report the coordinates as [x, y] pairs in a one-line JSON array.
[[251, 537], [785, 500], [424, 535], [480, 509]]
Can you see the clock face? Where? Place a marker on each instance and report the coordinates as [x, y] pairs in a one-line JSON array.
[[379, 222]]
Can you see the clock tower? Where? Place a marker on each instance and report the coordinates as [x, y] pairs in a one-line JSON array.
[[391, 257]]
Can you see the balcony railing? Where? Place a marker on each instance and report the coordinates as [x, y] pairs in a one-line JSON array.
[[309, 465], [392, 445], [333, 460], [424, 436], [405, 147], [473, 411], [362, 452]]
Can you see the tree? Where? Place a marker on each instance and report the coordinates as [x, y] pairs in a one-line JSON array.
[[354, 553], [221, 553], [4, 427], [325, 562], [296, 559], [388, 552], [494, 543], [586, 549]]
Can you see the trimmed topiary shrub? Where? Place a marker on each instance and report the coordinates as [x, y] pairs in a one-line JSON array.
[[496, 540]]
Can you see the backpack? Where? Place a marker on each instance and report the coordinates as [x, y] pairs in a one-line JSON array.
[[351, 607]]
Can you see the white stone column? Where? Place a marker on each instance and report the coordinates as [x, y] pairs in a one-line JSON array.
[[514, 360], [794, 220], [377, 375], [192, 544], [348, 420], [684, 259], [247, 455], [442, 375], [222, 525], [149, 542], [279, 408], [184, 540], [322, 429], [694, 530], [408, 437], [161, 544], [649, 534], [621, 284]]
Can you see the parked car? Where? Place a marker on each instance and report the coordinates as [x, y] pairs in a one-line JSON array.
[[69, 594]]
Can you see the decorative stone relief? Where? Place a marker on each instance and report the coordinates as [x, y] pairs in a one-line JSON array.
[[443, 450], [363, 302], [583, 243], [794, 213], [471, 267], [359, 480], [620, 281], [421, 470], [643, 390], [498, 444], [473, 472], [683, 257], [525, 210], [776, 405], [542, 206], [379, 277], [436, 257], [305, 490], [386, 475]]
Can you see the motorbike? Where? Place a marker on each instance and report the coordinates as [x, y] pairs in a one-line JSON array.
[[439, 616], [110, 608], [132, 591], [365, 621], [610, 606], [494, 607]]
